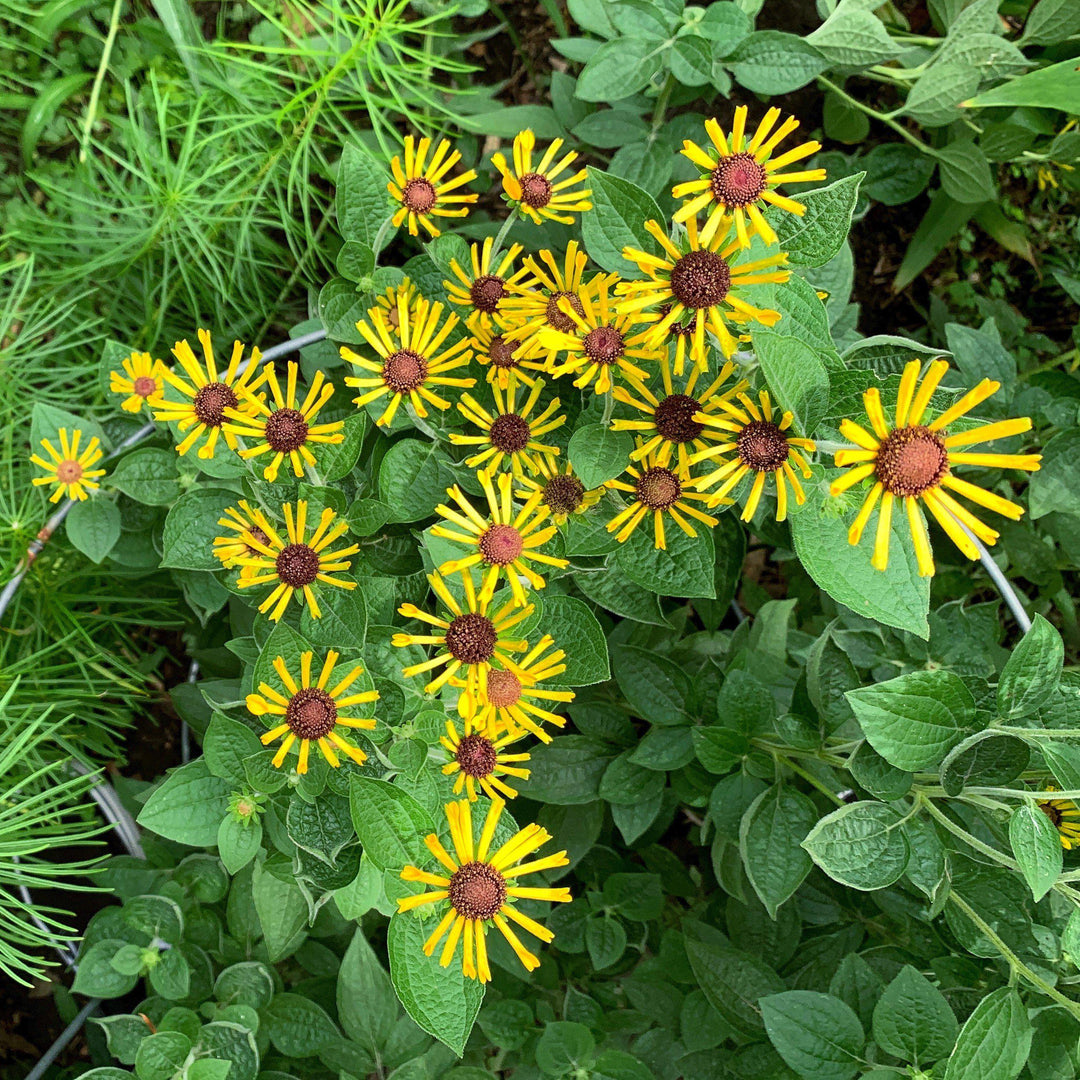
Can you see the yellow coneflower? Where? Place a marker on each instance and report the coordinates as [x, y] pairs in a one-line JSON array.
[[510, 435], [420, 188], [72, 473], [659, 490], [295, 565], [411, 358], [912, 460], [482, 292], [208, 395], [505, 543], [701, 281], [507, 360], [1065, 817], [603, 340], [311, 713], [286, 430], [481, 762], [560, 491], [740, 176], [761, 446], [480, 889], [537, 192], [508, 706], [387, 300], [141, 381], [467, 636], [231, 550], [670, 419]]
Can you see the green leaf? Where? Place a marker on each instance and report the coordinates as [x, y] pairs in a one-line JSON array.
[[617, 220], [123, 1034], [226, 1041], [564, 1047], [1037, 847], [187, 806], [860, 845], [690, 60], [162, 1055], [365, 998], [770, 842], [281, 909], [192, 525], [853, 37], [1032, 672], [897, 596], [815, 237], [322, 828], [225, 746], [934, 100], [246, 983], [442, 1001], [576, 631], [995, 1040], [914, 720], [733, 981], [298, 1028], [986, 757], [896, 173], [93, 526], [363, 203], [1051, 21], [656, 688], [506, 121], [156, 916], [944, 218], [1055, 488], [391, 824], [566, 771], [796, 376], [413, 477], [1053, 87], [816, 1034], [96, 976], [238, 842], [618, 69], [42, 111], [965, 173], [912, 1019], [148, 475], [685, 568], [605, 939], [773, 62], [598, 454]]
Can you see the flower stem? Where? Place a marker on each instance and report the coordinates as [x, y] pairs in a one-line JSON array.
[[500, 236]]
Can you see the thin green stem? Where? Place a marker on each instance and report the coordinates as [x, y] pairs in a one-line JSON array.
[[809, 778], [885, 118], [662, 100], [99, 78], [609, 406], [500, 236], [380, 236]]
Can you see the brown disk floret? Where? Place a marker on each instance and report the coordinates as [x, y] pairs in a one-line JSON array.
[[144, 385], [563, 494], [476, 756], [603, 345], [558, 318], [738, 180], [419, 195], [67, 472], [471, 638], [404, 371], [477, 890], [501, 545], [675, 421], [700, 279], [535, 190], [311, 714], [509, 433], [762, 446], [486, 292], [501, 352], [286, 430], [911, 460], [658, 488], [297, 565], [503, 688], [211, 401]]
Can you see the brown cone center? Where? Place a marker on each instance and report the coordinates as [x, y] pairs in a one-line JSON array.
[[700, 279], [286, 430], [1052, 812], [509, 433], [563, 494], [404, 371], [535, 190], [419, 195], [762, 446], [501, 352], [738, 180], [603, 345], [297, 565], [145, 385], [67, 472], [486, 292], [476, 756], [503, 688], [911, 460], [674, 418], [211, 401], [477, 890], [558, 318], [311, 713], [501, 544], [471, 638], [658, 488], [260, 536]]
